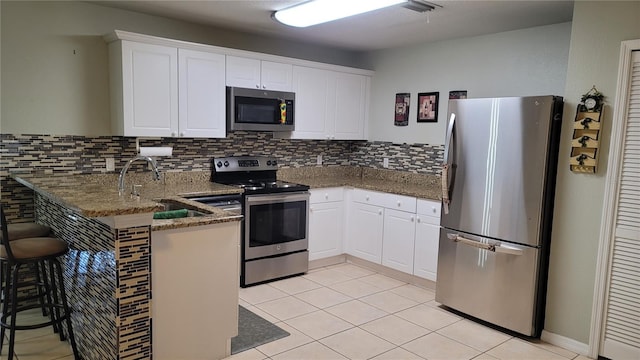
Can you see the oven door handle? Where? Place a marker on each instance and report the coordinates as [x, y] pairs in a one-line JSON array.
[[277, 197]]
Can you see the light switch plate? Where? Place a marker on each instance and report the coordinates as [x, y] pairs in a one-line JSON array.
[[110, 164], [385, 163], [319, 160]]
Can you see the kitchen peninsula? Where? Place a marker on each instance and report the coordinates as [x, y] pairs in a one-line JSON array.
[[108, 269]]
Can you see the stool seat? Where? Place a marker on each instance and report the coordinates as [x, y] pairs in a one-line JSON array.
[[36, 248], [27, 230]]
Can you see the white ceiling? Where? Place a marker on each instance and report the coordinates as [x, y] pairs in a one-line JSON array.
[[383, 29]]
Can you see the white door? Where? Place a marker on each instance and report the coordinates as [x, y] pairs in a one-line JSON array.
[[201, 94], [425, 259], [312, 89], [351, 102], [398, 240], [325, 229], [276, 76], [243, 72], [149, 89], [621, 330], [364, 237]]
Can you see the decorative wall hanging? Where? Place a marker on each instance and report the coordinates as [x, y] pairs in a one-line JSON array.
[[402, 109], [428, 107], [457, 94], [586, 133]]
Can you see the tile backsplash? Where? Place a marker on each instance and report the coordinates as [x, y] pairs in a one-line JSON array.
[[74, 155]]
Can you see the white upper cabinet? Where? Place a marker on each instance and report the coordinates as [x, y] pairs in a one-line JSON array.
[[352, 106], [312, 89], [330, 105], [145, 89], [159, 90], [258, 74], [202, 94]]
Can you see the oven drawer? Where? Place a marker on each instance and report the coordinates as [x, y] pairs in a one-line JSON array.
[[260, 270]]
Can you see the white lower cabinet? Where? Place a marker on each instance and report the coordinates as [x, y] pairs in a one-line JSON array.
[[398, 240], [425, 261], [326, 216], [399, 232], [364, 232]]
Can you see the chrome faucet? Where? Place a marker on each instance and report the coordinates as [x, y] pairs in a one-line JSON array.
[[154, 167]]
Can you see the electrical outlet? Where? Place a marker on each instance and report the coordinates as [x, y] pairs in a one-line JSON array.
[[385, 163], [319, 160], [110, 164]]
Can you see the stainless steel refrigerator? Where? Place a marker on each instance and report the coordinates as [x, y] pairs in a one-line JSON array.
[[499, 174]]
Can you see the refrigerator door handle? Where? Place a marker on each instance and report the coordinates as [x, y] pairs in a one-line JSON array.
[[447, 141], [445, 165], [497, 248]]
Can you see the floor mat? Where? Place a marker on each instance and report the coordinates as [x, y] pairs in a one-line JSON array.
[[254, 331]]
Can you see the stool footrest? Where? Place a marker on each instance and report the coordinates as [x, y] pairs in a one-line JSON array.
[[6, 325]]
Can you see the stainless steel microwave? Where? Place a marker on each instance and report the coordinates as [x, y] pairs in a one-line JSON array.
[[260, 110]]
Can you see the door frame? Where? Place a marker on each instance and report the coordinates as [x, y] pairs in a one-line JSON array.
[[605, 244]]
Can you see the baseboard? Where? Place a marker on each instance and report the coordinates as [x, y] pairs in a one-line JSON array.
[[392, 273], [565, 342], [333, 260]]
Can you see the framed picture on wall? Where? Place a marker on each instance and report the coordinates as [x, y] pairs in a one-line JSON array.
[[402, 109], [458, 94], [428, 107]]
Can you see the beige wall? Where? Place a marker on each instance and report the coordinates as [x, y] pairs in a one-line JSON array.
[[514, 63], [54, 61], [597, 30]]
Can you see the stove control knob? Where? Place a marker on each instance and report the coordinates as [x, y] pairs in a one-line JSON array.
[[268, 162], [219, 164], [226, 163], [274, 163]]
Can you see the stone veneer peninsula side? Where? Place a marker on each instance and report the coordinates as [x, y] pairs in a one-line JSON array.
[[107, 271]]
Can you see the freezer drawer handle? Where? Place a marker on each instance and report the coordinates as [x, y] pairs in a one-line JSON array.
[[497, 248]]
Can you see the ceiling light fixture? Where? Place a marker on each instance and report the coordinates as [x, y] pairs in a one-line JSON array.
[[321, 11]]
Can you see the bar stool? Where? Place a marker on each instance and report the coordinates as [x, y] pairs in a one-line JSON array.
[[26, 251], [30, 230]]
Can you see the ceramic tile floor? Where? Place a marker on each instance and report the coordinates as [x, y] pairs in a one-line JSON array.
[[348, 312]]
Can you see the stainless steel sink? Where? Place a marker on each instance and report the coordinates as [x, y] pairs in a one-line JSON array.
[[170, 205]]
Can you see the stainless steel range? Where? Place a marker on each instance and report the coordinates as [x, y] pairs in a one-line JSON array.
[[276, 221]]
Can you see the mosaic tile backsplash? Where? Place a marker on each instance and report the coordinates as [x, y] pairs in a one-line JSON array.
[[86, 155]]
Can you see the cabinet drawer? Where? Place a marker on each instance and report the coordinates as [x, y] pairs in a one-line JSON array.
[[386, 200], [399, 202], [326, 195], [368, 197], [430, 208]]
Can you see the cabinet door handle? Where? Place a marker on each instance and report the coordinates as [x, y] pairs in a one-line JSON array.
[[182, 134], [418, 219], [310, 209], [412, 219], [399, 203], [326, 196], [380, 212], [257, 86], [173, 134], [264, 86], [367, 198], [434, 210]]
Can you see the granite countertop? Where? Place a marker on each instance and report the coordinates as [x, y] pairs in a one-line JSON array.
[[421, 186], [97, 195]]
